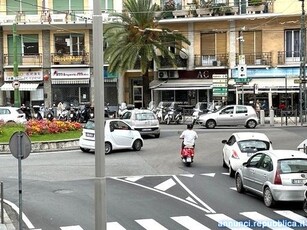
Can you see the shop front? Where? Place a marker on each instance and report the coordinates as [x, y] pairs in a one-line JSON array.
[[30, 87], [70, 85]]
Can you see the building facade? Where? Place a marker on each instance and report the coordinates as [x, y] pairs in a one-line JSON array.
[[53, 44]]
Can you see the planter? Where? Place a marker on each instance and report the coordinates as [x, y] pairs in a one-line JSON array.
[[255, 9], [203, 12], [181, 13]]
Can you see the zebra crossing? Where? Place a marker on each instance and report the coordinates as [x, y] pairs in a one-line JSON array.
[[248, 221]]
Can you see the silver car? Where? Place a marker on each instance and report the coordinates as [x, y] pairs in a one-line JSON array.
[[230, 115], [276, 175], [144, 121]]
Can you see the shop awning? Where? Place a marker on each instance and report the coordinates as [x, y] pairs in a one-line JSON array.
[[70, 81], [23, 87], [181, 84], [270, 83]]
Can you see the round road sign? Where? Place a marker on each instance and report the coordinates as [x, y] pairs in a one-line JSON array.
[[20, 145], [16, 84]]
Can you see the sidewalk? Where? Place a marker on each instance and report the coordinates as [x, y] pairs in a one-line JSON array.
[[10, 216]]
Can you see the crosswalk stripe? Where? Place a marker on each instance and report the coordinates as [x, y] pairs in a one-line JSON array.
[[189, 223], [166, 185], [114, 226], [294, 216], [76, 227], [226, 221], [265, 221], [150, 224]]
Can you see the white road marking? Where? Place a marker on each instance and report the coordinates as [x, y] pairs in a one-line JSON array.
[[233, 188], [193, 195], [76, 227], [134, 178], [150, 224], [225, 221], [266, 222], [294, 216], [227, 174], [187, 175], [165, 185], [189, 223], [191, 200], [114, 226], [208, 174]]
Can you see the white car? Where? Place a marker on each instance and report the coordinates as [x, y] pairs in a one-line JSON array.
[[118, 135], [242, 145], [144, 121], [230, 115], [12, 115]]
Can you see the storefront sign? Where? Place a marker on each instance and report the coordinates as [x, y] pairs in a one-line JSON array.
[[24, 75], [70, 73]]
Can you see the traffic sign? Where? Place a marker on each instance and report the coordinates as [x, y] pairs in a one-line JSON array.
[[20, 145], [242, 80], [16, 84], [219, 91]]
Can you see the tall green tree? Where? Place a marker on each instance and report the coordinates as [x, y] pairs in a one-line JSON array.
[[137, 37]]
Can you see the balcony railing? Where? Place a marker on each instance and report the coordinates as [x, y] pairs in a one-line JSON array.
[[67, 59], [211, 60], [54, 17], [23, 60], [259, 58], [180, 62], [288, 57]]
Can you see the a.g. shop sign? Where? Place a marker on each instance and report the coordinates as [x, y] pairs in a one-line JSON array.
[[70, 73], [24, 75]]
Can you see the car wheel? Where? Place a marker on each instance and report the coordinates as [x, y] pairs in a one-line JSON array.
[[108, 147], [239, 184], [137, 145], [268, 198], [157, 135], [210, 124], [231, 171], [251, 124], [85, 150]]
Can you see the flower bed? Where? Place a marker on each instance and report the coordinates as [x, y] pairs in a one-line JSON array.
[[45, 126]]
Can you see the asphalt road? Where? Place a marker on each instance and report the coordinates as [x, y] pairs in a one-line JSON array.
[[149, 189]]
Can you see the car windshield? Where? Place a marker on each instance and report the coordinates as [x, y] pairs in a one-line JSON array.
[[144, 116], [252, 146], [295, 165]]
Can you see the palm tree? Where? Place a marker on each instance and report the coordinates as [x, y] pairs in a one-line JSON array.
[[137, 37]]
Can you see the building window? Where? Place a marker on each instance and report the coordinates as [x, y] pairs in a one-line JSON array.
[[71, 44], [65, 6], [27, 7], [27, 44], [292, 45]]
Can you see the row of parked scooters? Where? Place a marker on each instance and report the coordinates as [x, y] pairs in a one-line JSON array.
[[69, 113]]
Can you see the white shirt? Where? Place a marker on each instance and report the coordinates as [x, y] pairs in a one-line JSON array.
[[189, 137]]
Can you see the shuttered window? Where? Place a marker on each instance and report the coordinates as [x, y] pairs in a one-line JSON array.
[[61, 6], [213, 43], [12, 7], [221, 43], [252, 42], [107, 5]]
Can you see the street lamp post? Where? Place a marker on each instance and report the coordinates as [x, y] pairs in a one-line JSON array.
[[16, 78], [302, 63]]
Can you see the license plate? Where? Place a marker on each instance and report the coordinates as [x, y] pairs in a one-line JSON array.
[[89, 134], [146, 129], [189, 159], [298, 181]]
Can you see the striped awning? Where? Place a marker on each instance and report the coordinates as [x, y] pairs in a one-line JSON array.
[[70, 81], [22, 87]]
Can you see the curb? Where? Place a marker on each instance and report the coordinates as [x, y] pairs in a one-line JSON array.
[[46, 146]]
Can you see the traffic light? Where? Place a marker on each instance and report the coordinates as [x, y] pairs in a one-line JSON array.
[[242, 71]]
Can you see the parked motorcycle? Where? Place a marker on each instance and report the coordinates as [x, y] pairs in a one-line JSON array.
[[173, 115], [305, 201], [64, 114], [187, 155], [50, 114], [37, 114], [73, 114], [86, 114]]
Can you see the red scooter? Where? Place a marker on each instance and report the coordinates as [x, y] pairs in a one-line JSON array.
[[187, 155]]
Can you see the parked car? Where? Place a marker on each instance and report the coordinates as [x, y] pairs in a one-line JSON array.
[[242, 145], [118, 135], [12, 114], [143, 120], [230, 115], [276, 175]]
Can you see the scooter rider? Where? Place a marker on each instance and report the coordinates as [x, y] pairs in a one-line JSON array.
[[189, 136]]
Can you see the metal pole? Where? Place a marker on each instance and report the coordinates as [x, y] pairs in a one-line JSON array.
[[286, 102], [100, 180], [16, 90], [20, 155], [302, 60], [304, 56], [2, 208]]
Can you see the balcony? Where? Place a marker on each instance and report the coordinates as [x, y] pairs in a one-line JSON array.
[[67, 59], [34, 60], [288, 57], [179, 62], [211, 60], [257, 59]]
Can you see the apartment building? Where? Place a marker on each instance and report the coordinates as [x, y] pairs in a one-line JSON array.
[[53, 39], [241, 50]]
